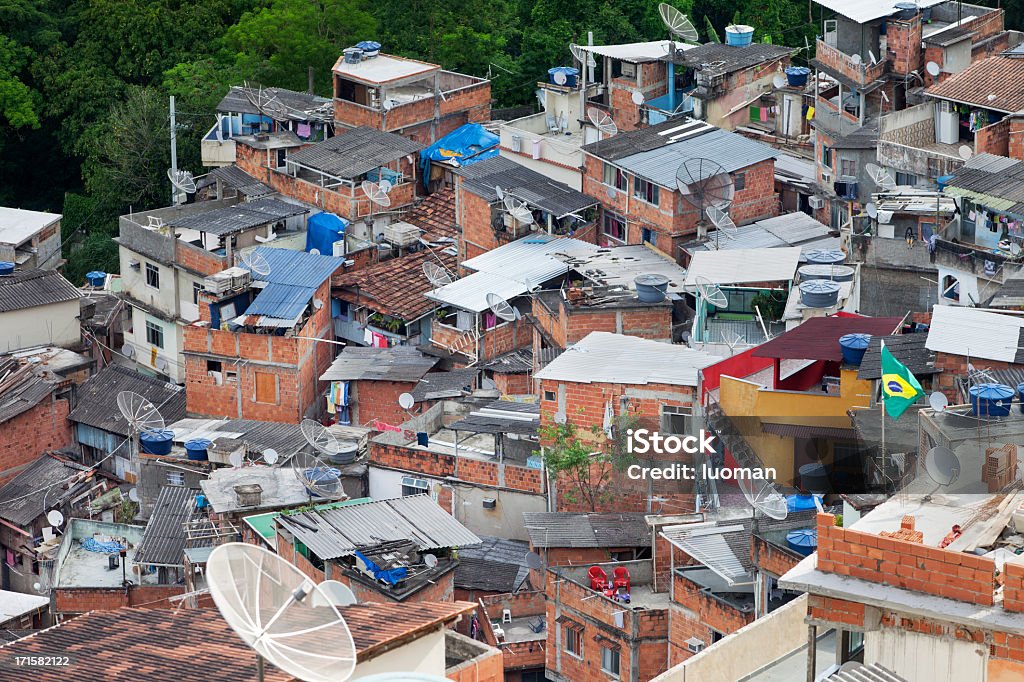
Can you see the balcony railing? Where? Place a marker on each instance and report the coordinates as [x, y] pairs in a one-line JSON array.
[[850, 66]]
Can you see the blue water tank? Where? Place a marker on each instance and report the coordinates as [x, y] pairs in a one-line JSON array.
[[1020, 395], [800, 502], [991, 400], [803, 541], [819, 293], [571, 75], [739, 35], [797, 76], [370, 48], [6, 268], [853, 347], [196, 449], [96, 278], [156, 442], [825, 256], [324, 477]]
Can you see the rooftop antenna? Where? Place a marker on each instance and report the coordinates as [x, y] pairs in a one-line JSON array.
[[183, 183], [764, 498], [270, 456], [265, 102], [280, 614], [518, 209], [499, 192], [319, 479], [711, 293], [337, 593], [880, 176], [406, 401], [704, 183], [678, 25], [255, 263], [637, 97], [504, 310], [722, 222], [560, 78], [377, 195], [582, 55], [603, 121], [436, 275], [141, 415]]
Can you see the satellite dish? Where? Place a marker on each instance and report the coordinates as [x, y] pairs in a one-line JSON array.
[[518, 210], [280, 613], [375, 193], [965, 152], [385, 185], [128, 350], [938, 401], [37, 587], [133, 495], [704, 183], [430, 560], [182, 180], [319, 479], [317, 304], [602, 120], [560, 78], [711, 292], [778, 81], [880, 176], [338, 593], [314, 252], [140, 414], [1015, 249], [582, 55], [721, 220], [855, 58], [872, 210], [502, 308], [317, 435], [763, 497], [677, 23], [55, 518], [406, 401], [534, 561], [436, 275], [255, 263], [637, 97], [942, 465], [499, 192], [161, 364], [932, 68], [488, 384], [270, 456], [237, 459]]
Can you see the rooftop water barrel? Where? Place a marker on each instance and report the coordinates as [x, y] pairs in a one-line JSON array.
[[346, 453], [803, 541], [739, 35], [836, 273], [196, 448], [906, 10], [819, 293], [6, 268], [853, 347], [825, 256], [370, 48], [353, 55], [156, 442], [814, 478], [797, 76], [571, 75], [800, 502], [96, 278], [1020, 395], [991, 400], [651, 288]]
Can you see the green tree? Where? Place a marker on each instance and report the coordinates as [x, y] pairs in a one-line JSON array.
[[710, 34], [586, 459]]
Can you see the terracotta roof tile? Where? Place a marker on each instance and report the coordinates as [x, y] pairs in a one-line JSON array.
[[395, 287], [435, 215], [999, 76]]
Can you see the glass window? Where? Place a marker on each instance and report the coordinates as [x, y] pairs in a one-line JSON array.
[[196, 288], [649, 236], [610, 661], [154, 334], [152, 276], [574, 640], [826, 157], [848, 167], [614, 226], [615, 177], [645, 191], [413, 486], [739, 181], [175, 478]]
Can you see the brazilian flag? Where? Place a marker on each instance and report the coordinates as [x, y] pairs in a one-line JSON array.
[[900, 387]]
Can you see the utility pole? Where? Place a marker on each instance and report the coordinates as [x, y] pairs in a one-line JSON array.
[[174, 154]]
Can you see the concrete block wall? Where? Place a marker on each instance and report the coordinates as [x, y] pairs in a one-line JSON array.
[[704, 608], [469, 470]]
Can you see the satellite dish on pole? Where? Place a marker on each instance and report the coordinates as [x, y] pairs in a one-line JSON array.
[[965, 152], [319, 479], [270, 456], [406, 401], [603, 121], [677, 23], [518, 209], [721, 220], [377, 195], [534, 561], [942, 465], [55, 518], [872, 210], [133, 494], [430, 561], [182, 181], [582, 55], [938, 401], [338, 593], [255, 263], [280, 613], [711, 292], [236, 459], [763, 497], [499, 192], [704, 183], [880, 176], [502, 308], [932, 68], [436, 275], [637, 97], [140, 414]]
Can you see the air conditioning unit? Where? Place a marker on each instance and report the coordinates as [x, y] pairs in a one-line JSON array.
[[694, 645], [231, 279], [826, 177], [816, 202]]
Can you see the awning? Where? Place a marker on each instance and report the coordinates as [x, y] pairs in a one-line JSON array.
[[607, 643], [708, 546], [804, 431]]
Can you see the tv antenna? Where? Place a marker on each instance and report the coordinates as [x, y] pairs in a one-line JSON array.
[[183, 183], [764, 498], [255, 263], [436, 275], [141, 415], [280, 614], [603, 121], [518, 209], [880, 176], [377, 195], [704, 183], [265, 102], [678, 24], [711, 293]]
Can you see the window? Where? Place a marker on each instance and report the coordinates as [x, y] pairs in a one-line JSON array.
[[154, 334], [610, 661], [676, 419], [413, 486], [231, 376], [826, 157], [574, 640], [266, 387], [152, 276], [614, 226], [905, 179], [549, 396], [196, 288], [175, 478], [646, 191], [615, 177], [739, 181], [649, 236], [214, 366], [848, 167]]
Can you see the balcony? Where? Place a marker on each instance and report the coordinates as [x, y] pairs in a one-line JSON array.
[[216, 149], [850, 67]]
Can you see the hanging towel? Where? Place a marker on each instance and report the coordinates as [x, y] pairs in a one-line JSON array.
[[764, 113], [810, 113], [755, 113], [343, 417], [330, 407], [367, 337], [304, 131], [609, 419]]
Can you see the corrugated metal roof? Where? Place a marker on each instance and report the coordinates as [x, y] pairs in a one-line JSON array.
[[909, 349], [519, 361], [452, 384], [502, 416], [719, 58], [854, 671], [496, 565], [818, 337], [517, 180], [976, 333], [863, 11], [236, 178], [470, 293], [31, 288], [25, 387], [239, 100], [710, 546], [572, 529], [603, 357], [19, 506], [335, 533], [238, 217], [637, 53], [297, 267], [400, 363], [620, 266], [95, 400], [510, 258], [282, 301], [163, 543], [991, 180], [739, 266], [355, 152]]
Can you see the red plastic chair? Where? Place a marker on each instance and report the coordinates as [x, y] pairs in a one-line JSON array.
[[622, 577], [598, 578]]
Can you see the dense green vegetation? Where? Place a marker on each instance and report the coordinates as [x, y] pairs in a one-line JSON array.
[[84, 83]]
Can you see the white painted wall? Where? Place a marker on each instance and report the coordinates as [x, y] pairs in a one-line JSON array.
[[923, 658], [969, 294], [45, 325], [134, 284], [423, 655], [171, 352]]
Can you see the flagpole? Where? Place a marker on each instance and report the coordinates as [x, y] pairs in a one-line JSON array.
[[885, 474]]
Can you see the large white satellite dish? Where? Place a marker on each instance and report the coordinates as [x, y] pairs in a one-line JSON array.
[[55, 518], [255, 262], [501, 308], [519, 210], [436, 275], [602, 120], [711, 292], [942, 465], [880, 176], [764, 498], [677, 23], [140, 414], [280, 613], [338, 593]]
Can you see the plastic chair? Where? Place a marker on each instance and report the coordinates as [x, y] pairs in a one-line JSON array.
[[598, 578], [506, 615], [621, 574]]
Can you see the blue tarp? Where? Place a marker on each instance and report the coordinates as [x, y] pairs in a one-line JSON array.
[[322, 230], [465, 145]]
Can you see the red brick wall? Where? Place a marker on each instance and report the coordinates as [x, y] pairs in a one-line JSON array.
[[1013, 586], [567, 325], [704, 611], [443, 589], [439, 465], [903, 564], [835, 610], [770, 558], [1016, 142], [379, 400], [513, 384], [952, 366], [482, 669], [993, 139], [31, 433], [80, 600], [474, 222], [465, 105], [198, 260], [904, 44]]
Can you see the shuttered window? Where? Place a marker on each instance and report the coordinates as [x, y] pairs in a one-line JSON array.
[[266, 387]]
